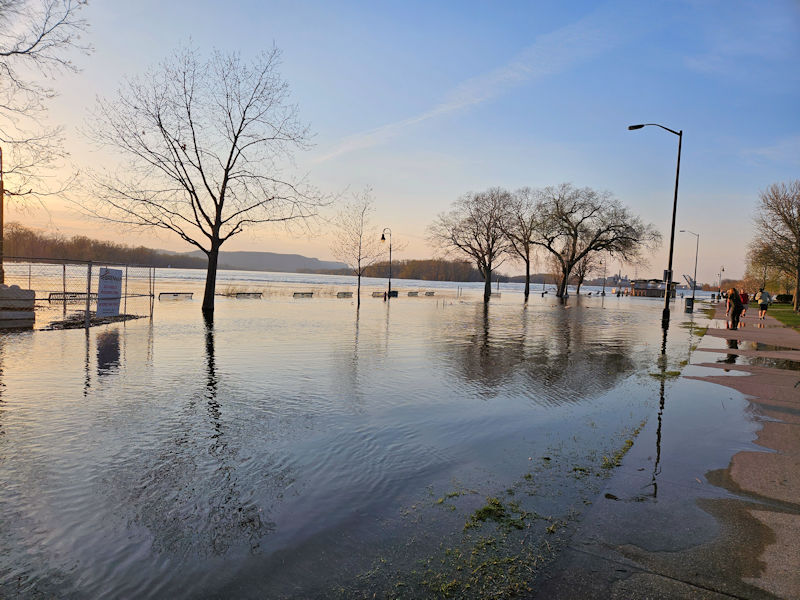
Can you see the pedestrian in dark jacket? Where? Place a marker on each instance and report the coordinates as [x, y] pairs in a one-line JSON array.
[[733, 308]]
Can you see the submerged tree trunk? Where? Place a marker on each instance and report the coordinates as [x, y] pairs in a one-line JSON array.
[[358, 292], [562, 285], [527, 279], [487, 285], [211, 284]]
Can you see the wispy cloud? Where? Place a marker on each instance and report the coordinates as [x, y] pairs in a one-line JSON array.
[[551, 53], [785, 151]]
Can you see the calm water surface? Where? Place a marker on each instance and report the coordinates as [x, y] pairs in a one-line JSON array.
[[279, 452]]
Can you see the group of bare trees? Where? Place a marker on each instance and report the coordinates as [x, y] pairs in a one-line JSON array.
[[775, 250], [571, 226]]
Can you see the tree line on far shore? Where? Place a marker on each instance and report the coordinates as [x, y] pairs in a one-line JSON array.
[[21, 241]]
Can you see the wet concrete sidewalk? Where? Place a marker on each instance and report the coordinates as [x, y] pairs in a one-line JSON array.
[[706, 505]]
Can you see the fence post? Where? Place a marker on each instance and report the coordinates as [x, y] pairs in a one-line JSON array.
[[125, 305], [64, 285], [88, 292], [29, 276]]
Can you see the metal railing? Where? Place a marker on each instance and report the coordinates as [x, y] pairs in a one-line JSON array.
[[66, 290]]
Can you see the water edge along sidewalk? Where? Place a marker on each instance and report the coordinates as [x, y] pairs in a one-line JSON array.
[[720, 514]]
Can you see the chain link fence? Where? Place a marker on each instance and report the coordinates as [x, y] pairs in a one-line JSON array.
[[66, 290]]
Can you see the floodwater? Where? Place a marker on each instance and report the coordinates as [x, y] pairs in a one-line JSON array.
[[294, 444]]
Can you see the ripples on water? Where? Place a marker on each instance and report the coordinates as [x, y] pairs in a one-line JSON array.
[[164, 458]]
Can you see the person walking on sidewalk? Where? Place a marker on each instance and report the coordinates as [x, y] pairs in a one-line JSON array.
[[733, 308], [745, 301], [764, 299]]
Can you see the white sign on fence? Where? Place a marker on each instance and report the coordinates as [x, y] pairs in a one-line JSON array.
[[109, 292]]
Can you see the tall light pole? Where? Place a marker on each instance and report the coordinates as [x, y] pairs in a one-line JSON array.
[[668, 273], [604, 278], [696, 250], [721, 271], [383, 239]]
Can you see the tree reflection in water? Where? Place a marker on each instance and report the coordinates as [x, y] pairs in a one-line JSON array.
[[196, 496], [555, 357]]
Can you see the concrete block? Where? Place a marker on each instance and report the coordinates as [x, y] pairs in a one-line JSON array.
[[13, 297]]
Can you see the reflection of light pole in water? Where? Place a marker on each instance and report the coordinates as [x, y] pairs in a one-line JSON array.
[[383, 239], [661, 397], [696, 250], [668, 273]]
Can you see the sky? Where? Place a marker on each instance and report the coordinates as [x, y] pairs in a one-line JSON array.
[[426, 101]]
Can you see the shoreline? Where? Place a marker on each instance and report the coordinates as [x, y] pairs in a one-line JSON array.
[[734, 532]]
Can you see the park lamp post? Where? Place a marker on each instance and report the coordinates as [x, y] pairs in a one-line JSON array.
[[383, 239], [603, 262], [696, 250], [668, 272]]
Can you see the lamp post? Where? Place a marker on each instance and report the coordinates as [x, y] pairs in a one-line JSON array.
[[668, 274], [696, 250], [383, 239], [721, 271], [603, 293]]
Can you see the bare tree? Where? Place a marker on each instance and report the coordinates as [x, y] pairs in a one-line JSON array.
[[519, 224], [777, 241], [202, 140], [573, 223], [474, 227], [583, 268], [357, 242], [35, 38]]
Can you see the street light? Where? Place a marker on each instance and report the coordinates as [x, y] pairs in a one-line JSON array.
[[696, 250], [603, 293], [383, 239], [668, 274], [721, 271]]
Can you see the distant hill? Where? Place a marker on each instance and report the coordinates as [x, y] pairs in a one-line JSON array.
[[22, 241], [268, 261]]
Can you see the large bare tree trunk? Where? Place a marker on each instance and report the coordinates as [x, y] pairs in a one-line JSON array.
[[562, 286], [211, 284], [527, 279], [797, 286], [487, 285]]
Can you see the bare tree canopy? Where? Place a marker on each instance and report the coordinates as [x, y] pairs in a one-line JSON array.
[[573, 223], [357, 242], [777, 241], [202, 140], [36, 37], [474, 226], [518, 226]]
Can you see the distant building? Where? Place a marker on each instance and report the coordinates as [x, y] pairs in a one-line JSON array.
[[649, 288]]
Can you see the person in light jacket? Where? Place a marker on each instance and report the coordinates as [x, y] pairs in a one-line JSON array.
[[764, 299]]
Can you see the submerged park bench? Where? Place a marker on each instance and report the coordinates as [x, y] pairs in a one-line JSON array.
[[303, 295], [344, 294], [248, 294], [175, 295], [70, 296]]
